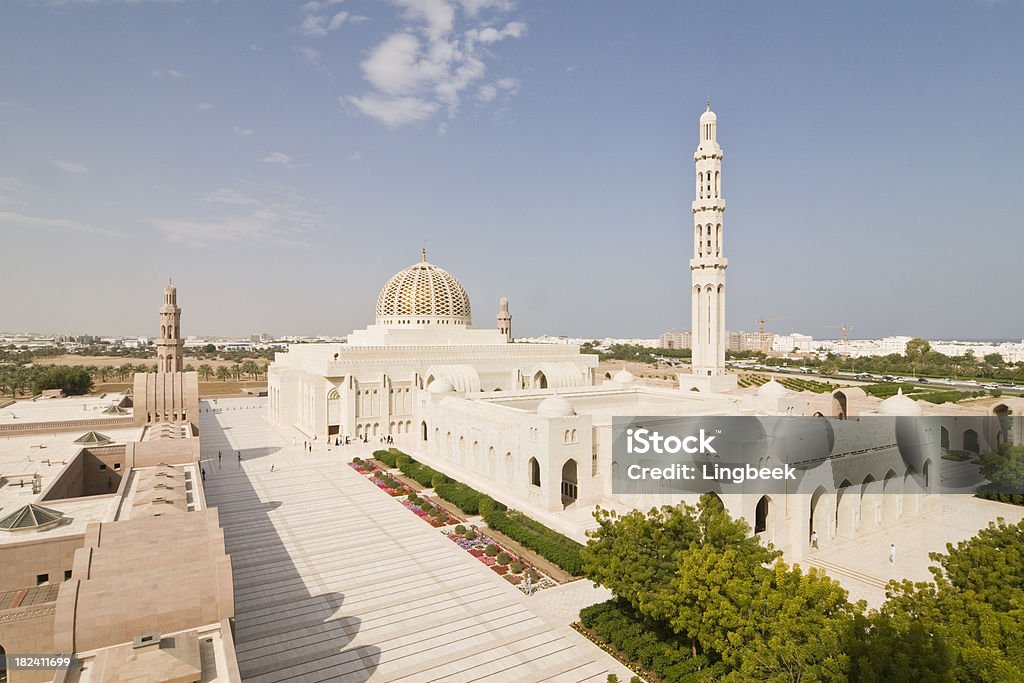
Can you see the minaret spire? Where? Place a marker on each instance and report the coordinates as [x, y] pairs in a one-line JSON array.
[[424, 251], [707, 267]]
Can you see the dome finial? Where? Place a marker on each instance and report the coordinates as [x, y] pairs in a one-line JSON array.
[[424, 251], [708, 103]]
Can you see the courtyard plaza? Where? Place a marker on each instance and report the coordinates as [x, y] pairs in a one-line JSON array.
[[862, 565], [336, 581]]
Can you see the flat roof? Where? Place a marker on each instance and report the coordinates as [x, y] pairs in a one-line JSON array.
[[47, 455], [53, 409]]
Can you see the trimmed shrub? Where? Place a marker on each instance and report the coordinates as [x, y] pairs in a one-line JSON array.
[[491, 550], [437, 480], [390, 457], [470, 535], [516, 567], [552, 545], [421, 474], [402, 459], [461, 530], [503, 558], [465, 498], [647, 643], [426, 506], [486, 505], [357, 460]]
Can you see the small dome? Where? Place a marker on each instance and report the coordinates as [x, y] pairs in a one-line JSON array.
[[440, 386], [624, 377], [708, 117], [555, 406], [899, 405], [772, 389]]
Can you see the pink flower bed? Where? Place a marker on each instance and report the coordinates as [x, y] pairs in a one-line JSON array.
[[477, 548], [363, 467], [429, 516]]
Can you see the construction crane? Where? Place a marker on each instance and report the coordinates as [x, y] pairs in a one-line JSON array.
[[847, 328], [761, 338]]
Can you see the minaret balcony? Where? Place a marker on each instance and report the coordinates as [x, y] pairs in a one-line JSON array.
[[717, 204]]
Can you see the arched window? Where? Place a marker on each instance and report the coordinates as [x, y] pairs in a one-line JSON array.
[[534, 472], [423, 430], [761, 515]]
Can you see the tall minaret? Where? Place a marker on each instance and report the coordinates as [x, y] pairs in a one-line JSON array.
[[707, 267], [504, 319], [170, 348]]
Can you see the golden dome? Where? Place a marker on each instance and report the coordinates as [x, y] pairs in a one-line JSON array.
[[423, 294]]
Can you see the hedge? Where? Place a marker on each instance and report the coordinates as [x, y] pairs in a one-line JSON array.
[[648, 643], [419, 473], [550, 544], [465, 498], [388, 457]]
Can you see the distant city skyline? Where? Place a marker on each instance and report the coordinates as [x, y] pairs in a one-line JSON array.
[[282, 161]]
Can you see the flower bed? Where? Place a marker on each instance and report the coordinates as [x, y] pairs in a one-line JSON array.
[[363, 466], [500, 560], [389, 485], [429, 511]]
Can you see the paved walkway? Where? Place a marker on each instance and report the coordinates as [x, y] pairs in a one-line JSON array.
[[335, 581], [862, 564]]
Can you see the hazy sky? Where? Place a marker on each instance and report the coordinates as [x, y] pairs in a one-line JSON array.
[[283, 159]]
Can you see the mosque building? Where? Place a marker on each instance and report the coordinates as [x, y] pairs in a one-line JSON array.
[[530, 425]]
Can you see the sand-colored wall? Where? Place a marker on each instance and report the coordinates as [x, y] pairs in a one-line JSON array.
[[28, 630], [21, 563]]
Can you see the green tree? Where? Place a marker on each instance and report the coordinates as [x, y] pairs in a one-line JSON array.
[[209, 348], [917, 348], [223, 373], [249, 367], [205, 371], [794, 628], [73, 381]]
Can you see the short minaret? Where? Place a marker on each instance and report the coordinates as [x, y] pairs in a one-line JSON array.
[[170, 348], [504, 319], [707, 267]]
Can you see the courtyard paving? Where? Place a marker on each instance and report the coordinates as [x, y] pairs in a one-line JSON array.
[[336, 581]]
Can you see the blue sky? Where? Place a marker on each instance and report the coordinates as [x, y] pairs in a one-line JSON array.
[[282, 159]]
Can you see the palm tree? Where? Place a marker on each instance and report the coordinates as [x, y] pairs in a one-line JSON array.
[[223, 374], [236, 371], [250, 368], [205, 371]]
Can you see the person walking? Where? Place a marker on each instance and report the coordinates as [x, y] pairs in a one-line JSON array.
[[814, 540], [892, 553], [273, 467], [202, 473], [239, 456], [218, 458]]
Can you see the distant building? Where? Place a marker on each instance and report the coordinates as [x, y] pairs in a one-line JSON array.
[[675, 340]]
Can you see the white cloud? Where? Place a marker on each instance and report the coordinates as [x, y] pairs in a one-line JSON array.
[[319, 18], [71, 166], [432, 61], [274, 215], [244, 132], [473, 7], [508, 84], [168, 73], [442, 129], [230, 196], [203, 106], [309, 56], [392, 111], [489, 34], [18, 220], [277, 158], [356, 156], [486, 93]]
